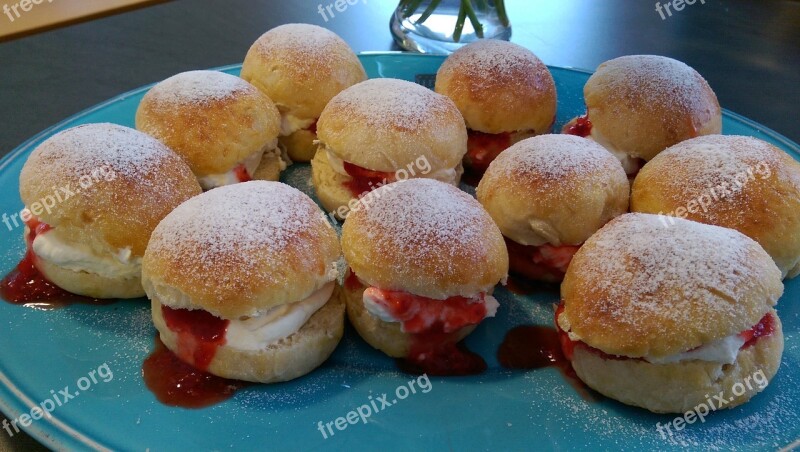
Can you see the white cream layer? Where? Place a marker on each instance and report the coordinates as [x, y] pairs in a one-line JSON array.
[[53, 248], [250, 163], [291, 124], [256, 333], [721, 351]]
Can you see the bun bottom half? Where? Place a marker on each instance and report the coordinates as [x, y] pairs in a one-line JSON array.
[[329, 185], [682, 387], [300, 145], [384, 336], [91, 285], [284, 360]]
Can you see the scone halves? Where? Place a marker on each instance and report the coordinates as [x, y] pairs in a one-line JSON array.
[[424, 258], [255, 262], [114, 186], [662, 318]]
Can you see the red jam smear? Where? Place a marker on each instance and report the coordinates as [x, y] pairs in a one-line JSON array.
[[435, 353], [763, 328], [27, 286], [419, 315], [482, 149], [313, 127], [241, 173], [363, 180], [534, 347], [200, 334], [540, 263], [178, 384], [582, 127], [433, 348]]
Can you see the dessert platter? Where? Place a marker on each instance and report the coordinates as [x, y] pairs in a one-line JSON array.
[[310, 250]]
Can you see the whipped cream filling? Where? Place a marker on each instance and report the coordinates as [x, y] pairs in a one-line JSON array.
[[256, 333], [250, 163], [721, 351], [291, 124], [447, 175], [53, 248], [375, 306]]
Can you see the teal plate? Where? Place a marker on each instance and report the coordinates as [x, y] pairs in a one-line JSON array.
[[44, 351]]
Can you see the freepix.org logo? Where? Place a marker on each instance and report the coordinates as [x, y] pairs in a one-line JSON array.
[[13, 12]]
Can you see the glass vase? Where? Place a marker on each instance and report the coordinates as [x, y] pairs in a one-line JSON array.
[[443, 26]]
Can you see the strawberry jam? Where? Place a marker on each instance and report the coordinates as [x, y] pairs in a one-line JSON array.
[[582, 127], [199, 332], [363, 180], [432, 325], [540, 263], [241, 173], [176, 383], [27, 286], [763, 328], [482, 149]]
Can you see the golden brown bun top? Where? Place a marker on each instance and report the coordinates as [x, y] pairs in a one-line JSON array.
[[499, 87], [642, 104], [115, 184], [640, 288], [756, 190], [301, 67], [241, 249], [385, 124], [556, 189], [424, 237], [212, 119]]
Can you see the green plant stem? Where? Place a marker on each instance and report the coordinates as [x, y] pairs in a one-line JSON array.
[[412, 6], [462, 17], [501, 12], [466, 5], [428, 11]]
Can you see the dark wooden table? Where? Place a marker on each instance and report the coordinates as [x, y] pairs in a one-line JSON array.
[[748, 50]]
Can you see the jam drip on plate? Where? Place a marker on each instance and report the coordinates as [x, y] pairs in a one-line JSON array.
[[482, 149], [176, 383], [27, 286], [363, 180], [534, 346]]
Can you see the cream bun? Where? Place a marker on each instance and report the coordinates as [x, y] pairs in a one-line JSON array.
[[736, 182], [256, 263], [504, 92], [423, 260], [301, 67], [224, 127], [93, 195], [548, 194], [639, 105], [381, 131], [662, 318]]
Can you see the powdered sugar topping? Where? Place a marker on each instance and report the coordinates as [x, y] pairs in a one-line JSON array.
[[234, 220], [641, 270], [199, 87], [106, 147], [496, 63], [554, 157], [387, 103]]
